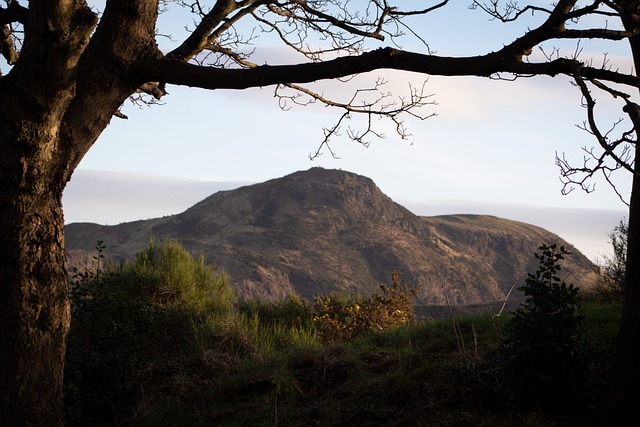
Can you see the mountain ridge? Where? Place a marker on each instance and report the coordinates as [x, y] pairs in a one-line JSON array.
[[320, 231]]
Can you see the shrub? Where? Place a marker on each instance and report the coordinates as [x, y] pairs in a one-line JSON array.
[[113, 338], [543, 355], [340, 318], [174, 277], [610, 284], [133, 321]]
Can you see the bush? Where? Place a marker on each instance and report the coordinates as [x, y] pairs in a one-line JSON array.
[[610, 284], [343, 318], [131, 322], [145, 324], [112, 338], [174, 277], [543, 362]]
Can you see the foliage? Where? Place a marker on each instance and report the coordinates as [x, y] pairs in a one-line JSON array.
[[610, 284], [127, 319], [543, 359], [141, 356], [137, 323], [293, 311], [174, 277], [105, 351], [247, 334], [342, 318], [405, 376]]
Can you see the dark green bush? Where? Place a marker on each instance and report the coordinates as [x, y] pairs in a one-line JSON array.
[[131, 322], [543, 361], [111, 341], [175, 278]]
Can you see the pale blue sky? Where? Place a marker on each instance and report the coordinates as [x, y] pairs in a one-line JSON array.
[[492, 143]]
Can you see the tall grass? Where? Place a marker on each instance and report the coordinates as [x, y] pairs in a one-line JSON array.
[[162, 340]]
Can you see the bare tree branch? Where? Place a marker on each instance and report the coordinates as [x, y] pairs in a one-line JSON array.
[[13, 13], [372, 102], [617, 152], [7, 48], [510, 12], [198, 39], [396, 12], [180, 73]]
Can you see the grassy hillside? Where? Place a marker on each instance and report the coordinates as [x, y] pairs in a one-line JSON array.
[[162, 341]]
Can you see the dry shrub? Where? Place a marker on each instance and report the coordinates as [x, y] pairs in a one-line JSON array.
[[342, 318]]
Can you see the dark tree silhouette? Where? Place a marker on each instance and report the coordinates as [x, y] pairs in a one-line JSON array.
[[69, 68]]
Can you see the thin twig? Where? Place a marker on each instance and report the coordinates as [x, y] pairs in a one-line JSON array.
[[505, 300]]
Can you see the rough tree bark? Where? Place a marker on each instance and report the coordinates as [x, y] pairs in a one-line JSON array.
[[33, 293], [33, 284], [623, 391], [54, 104]]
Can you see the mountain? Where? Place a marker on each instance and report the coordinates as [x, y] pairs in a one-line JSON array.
[[320, 231]]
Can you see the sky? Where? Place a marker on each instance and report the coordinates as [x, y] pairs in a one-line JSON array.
[[490, 148]]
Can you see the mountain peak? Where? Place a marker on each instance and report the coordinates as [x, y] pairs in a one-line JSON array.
[[323, 230]]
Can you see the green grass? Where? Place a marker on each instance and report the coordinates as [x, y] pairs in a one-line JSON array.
[[414, 375], [185, 361], [602, 322]]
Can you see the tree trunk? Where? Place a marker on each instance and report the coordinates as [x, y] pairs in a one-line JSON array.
[[34, 306], [54, 104], [34, 310], [623, 393]]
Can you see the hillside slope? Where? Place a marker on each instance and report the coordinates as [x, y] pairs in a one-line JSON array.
[[320, 231]]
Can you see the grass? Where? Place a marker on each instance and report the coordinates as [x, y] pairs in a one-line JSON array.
[[414, 375], [195, 363], [602, 321]]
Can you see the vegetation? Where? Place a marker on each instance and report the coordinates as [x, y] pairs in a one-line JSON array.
[[343, 318], [543, 360], [67, 70], [150, 351], [610, 285], [134, 320]]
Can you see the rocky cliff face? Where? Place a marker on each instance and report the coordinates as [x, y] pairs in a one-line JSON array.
[[322, 231]]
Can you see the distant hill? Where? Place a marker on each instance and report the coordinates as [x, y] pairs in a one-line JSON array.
[[319, 231]]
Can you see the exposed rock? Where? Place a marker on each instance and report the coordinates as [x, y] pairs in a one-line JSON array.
[[320, 231]]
